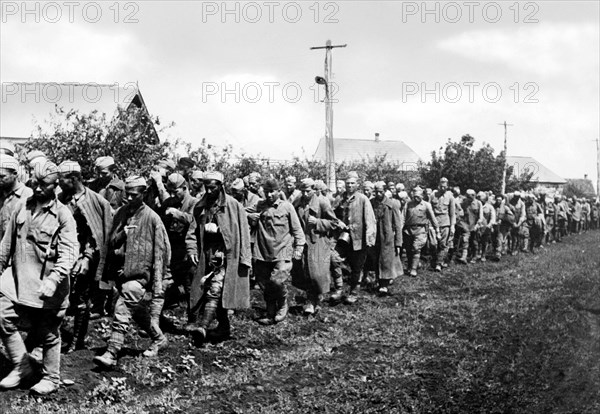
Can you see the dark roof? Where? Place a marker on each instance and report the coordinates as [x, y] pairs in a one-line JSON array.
[[358, 149], [25, 103], [541, 173]]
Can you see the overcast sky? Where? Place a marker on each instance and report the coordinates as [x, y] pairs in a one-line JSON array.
[[241, 73]]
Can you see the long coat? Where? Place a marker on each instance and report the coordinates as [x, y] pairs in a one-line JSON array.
[[233, 224], [389, 235], [311, 273]]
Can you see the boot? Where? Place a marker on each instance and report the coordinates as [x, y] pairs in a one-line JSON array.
[[156, 346], [107, 360], [282, 310], [18, 355], [525, 247], [463, 258], [269, 317], [80, 328], [223, 329], [44, 387]]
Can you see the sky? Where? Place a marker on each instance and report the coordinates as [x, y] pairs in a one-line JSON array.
[[242, 73]]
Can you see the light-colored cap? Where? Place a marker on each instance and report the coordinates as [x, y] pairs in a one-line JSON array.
[[418, 191], [238, 184], [471, 192], [352, 175], [175, 180], [104, 162], [400, 187], [67, 167], [169, 164], [9, 162], [320, 185], [33, 155], [47, 171], [379, 185], [198, 175], [291, 179], [135, 181], [307, 183], [213, 175], [368, 184]]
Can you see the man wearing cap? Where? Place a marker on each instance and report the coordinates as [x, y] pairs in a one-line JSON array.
[[279, 238], [442, 202], [254, 184], [93, 218], [391, 191], [157, 193], [357, 218], [504, 222], [41, 241], [138, 260], [468, 225], [368, 189], [484, 233], [177, 215], [290, 192], [197, 184], [107, 184], [311, 272], [185, 166], [246, 198], [385, 258], [12, 191], [518, 209], [218, 242], [418, 216], [532, 230]]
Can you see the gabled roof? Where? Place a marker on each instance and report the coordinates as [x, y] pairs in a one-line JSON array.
[[358, 149], [25, 103], [541, 173]]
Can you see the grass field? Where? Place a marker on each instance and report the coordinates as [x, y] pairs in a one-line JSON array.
[[518, 336]]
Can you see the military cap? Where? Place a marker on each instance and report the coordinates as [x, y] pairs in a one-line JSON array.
[[9, 162], [104, 162], [169, 164], [175, 180], [47, 172], [238, 184], [307, 183], [186, 162], [135, 181], [67, 167], [33, 155], [368, 184], [271, 185], [213, 175], [352, 174]]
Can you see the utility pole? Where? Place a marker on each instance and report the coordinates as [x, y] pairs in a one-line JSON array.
[[502, 191], [329, 152], [597, 169]]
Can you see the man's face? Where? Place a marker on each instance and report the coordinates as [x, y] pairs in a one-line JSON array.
[[178, 192], [307, 193], [43, 189], [352, 185], [253, 185], [418, 197], [134, 196], [471, 196], [7, 178], [213, 188], [368, 191], [272, 195], [290, 187], [66, 183], [238, 194], [196, 184], [443, 186], [104, 173], [379, 193], [340, 187], [499, 200]]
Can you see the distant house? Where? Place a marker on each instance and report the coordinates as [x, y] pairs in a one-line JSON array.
[[25, 104], [543, 176], [361, 149]]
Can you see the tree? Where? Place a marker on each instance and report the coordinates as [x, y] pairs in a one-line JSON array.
[[467, 168], [130, 137], [579, 187]]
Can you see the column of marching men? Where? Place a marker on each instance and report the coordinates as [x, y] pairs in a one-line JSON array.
[[130, 249]]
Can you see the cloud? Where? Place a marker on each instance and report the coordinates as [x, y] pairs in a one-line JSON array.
[[548, 51], [68, 52]]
